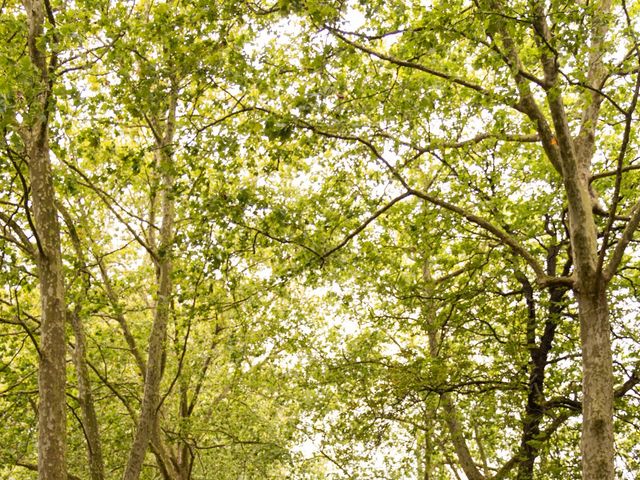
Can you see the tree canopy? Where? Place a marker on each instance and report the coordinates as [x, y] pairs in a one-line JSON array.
[[309, 240]]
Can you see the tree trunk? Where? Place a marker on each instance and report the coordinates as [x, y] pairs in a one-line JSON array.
[[451, 416], [184, 457], [147, 421], [538, 358], [425, 461], [597, 446], [52, 369], [157, 340], [52, 373], [85, 397], [153, 375]]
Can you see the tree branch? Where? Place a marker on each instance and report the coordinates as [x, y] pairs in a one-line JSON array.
[[413, 65], [365, 224], [34, 468], [623, 241], [612, 173], [541, 277], [105, 197], [22, 241], [626, 137]]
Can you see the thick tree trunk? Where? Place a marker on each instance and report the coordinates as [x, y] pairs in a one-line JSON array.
[[597, 445], [52, 373], [52, 369]]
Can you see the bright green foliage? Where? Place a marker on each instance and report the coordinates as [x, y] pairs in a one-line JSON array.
[[350, 181]]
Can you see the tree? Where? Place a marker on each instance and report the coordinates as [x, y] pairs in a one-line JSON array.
[[410, 83], [34, 133]]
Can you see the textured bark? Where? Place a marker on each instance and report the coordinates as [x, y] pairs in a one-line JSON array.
[[597, 386], [52, 372], [597, 446], [147, 421], [52, 369]]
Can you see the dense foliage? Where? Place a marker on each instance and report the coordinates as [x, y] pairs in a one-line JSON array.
[[308, 240]]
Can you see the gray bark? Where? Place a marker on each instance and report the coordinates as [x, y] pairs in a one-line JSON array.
[[52, 369], [597, 386]]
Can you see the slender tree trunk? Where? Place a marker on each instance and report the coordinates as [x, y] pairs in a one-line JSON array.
[[163, 454], [52, 369], [147, 421], [451, 416], [157, 340], [85, 397], [538, 358], [539, 353], [184, 457], [456, 432], [425, 461]]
